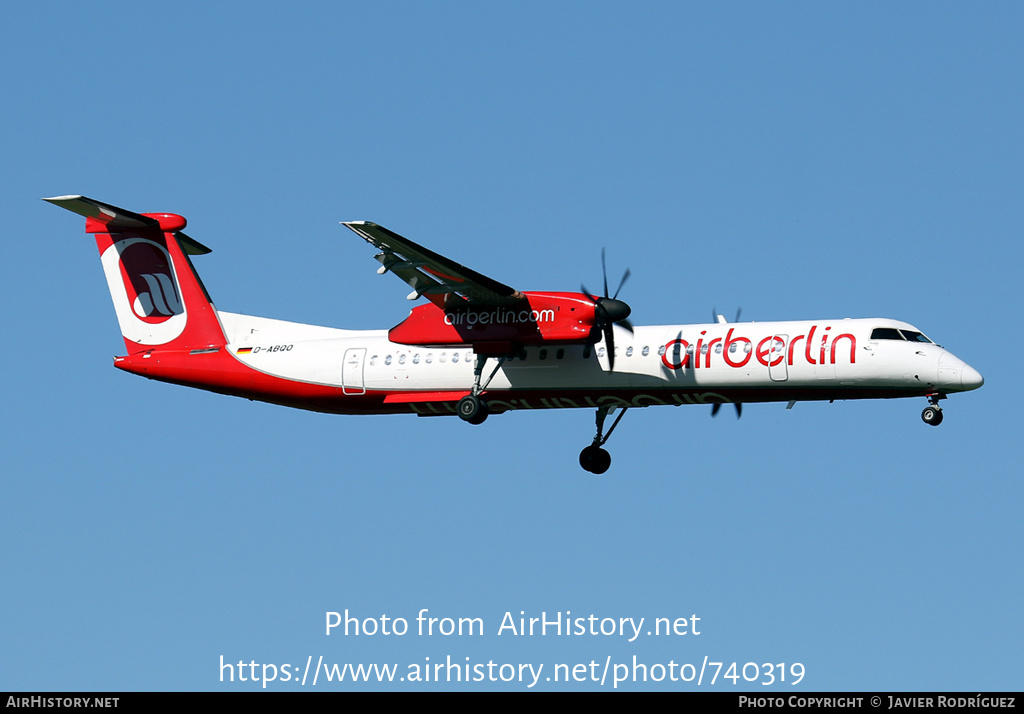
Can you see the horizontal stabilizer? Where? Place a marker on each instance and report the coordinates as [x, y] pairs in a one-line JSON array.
[[191, 245], [116, 219]]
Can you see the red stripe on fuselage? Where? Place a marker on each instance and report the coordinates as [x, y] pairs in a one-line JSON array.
[[221, 372]]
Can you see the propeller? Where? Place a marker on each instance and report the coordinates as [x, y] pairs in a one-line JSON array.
[[715, 317], [718, 405], [609, 310]]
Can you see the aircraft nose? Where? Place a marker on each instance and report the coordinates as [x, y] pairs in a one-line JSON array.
[[970, 377]]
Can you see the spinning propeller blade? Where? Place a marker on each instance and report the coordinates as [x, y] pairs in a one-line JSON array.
[[609, 311], [718, 405]]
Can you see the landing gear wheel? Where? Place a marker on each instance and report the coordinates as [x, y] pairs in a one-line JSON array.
[[932, 416], [595, 459], [473, 409]]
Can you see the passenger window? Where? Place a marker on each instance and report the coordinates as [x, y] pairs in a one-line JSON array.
[[646, 351], [586, 351], [401, 359], [629, 351], [543, 354], [455, 357], [373, 361], [430, 357], [560, 353], [416, 358], [387, 360]]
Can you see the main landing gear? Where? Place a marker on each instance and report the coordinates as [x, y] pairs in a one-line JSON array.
[[932, 415], [593, 458], [471, 407]]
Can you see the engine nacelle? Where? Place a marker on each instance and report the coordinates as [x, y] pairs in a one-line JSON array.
[[540, 318]]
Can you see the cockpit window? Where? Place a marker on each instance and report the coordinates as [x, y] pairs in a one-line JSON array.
[[915, 336], [886, 333], [891, 333]]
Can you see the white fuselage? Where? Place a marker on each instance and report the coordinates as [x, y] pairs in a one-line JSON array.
[[671, 364]]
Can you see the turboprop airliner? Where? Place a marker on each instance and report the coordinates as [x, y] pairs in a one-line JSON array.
[[476, 347]]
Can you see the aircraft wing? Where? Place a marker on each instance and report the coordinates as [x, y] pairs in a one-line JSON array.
[[430, 275]]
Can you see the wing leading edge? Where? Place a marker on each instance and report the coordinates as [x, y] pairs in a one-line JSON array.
[[430, 275]]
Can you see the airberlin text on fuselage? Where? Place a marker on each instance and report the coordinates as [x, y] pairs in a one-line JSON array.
[[498, 317], [770, 351]]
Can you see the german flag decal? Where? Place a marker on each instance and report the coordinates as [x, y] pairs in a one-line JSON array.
[[243, 350]]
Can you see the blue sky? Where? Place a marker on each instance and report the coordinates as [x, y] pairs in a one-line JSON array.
[[801, 160]]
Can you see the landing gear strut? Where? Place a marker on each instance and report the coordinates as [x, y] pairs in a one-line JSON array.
[[593, 458], [932, 415], [471, 407]]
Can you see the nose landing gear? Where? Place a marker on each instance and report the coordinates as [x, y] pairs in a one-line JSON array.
[[932, 415]]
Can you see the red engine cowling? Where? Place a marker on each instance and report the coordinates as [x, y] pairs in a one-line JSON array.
[[540, 318]]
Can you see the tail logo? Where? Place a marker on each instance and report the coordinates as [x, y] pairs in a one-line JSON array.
[[161, 298], [151, 289], [144, 287]]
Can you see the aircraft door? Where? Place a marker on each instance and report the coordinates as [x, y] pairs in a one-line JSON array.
[[777, 369], [352, 371]]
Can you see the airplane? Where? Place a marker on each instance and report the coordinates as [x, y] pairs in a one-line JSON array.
[[478, 347]]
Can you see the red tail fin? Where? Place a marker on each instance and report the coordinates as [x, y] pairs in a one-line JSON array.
[[158, 297]]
